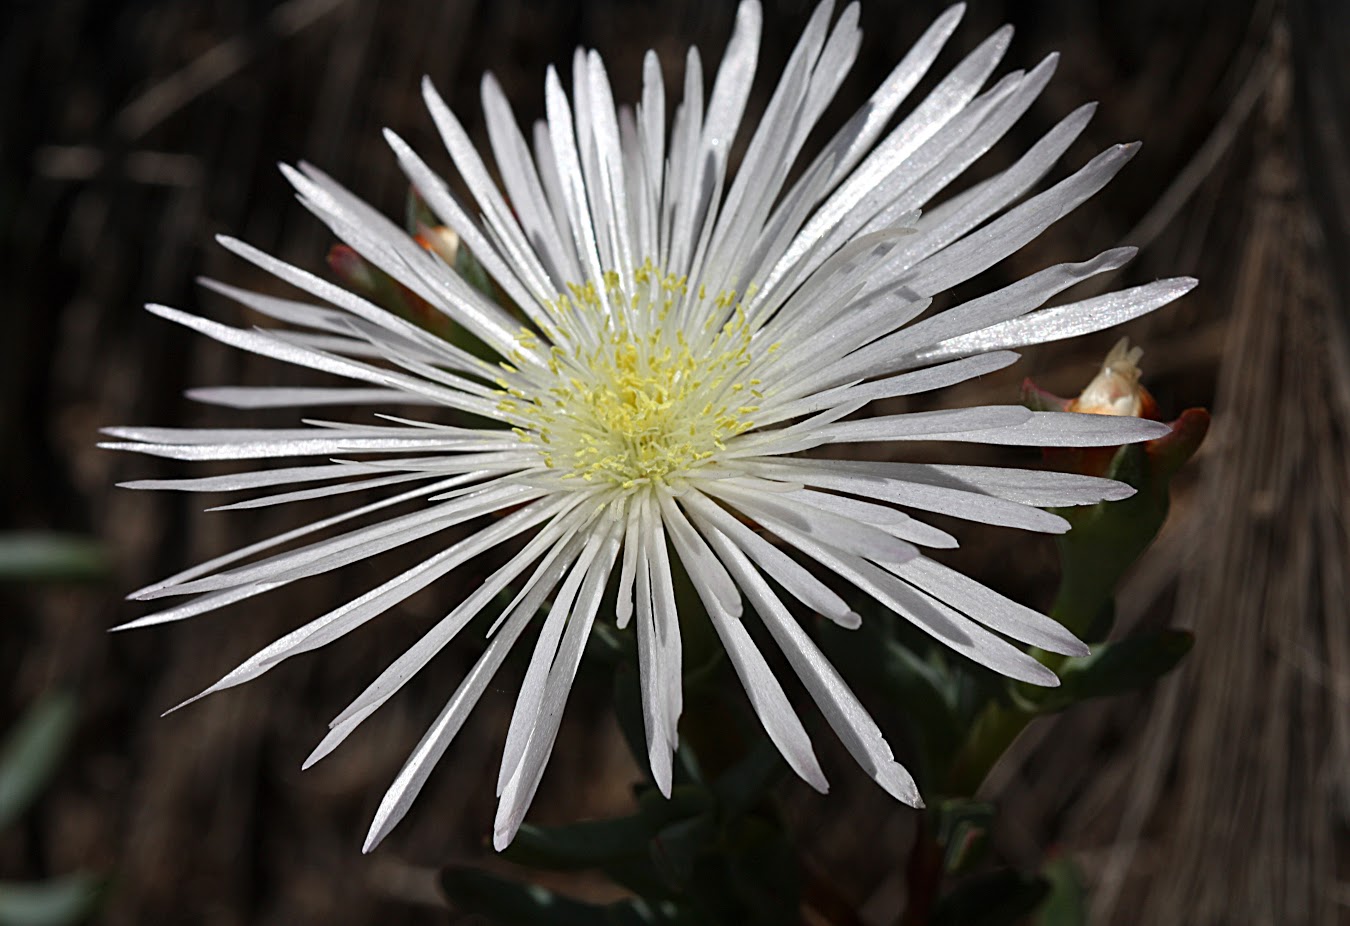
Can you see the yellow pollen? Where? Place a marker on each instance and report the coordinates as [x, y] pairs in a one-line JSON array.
[[632, 404]]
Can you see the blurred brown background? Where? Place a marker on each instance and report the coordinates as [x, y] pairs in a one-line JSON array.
[[133, 131]]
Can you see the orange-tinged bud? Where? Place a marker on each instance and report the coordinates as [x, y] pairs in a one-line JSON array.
[[1116, 389], [439, 240], [1109, 536]]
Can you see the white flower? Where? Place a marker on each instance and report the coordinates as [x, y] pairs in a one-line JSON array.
[[686, 338]]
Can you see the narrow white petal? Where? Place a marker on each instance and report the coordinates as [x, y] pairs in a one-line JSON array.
[[245, 552], [1069, 429], [666, 639], [944, 424], [956, 502], [835, 531], [408, 784], [935, 377], [798, 581], [348, 617], [524, 782], [291, 397], [397, 674], [846, 715], [530, 700], [266, 345], [1066, 321], [660, 753], [767, 697], [989, 607], [303, 495], [704, 570]]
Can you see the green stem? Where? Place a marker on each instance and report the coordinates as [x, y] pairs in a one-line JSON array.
[[998, 725], [990, 736]]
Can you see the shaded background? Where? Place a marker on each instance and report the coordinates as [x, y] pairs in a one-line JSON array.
[[131, 132]]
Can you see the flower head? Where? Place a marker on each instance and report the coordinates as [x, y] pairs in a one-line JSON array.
[[678, 342]]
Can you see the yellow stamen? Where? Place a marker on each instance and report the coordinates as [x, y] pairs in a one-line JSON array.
[[638, 408]]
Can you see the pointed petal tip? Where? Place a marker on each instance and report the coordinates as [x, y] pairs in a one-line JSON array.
[[817, 780], [191, 700], [1055, 524], [1152, 430], [896, 781], [1042, 676], [661, 775], [1119, 492], [319, 752]]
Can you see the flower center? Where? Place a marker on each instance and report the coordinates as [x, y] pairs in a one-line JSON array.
[[647, 380]]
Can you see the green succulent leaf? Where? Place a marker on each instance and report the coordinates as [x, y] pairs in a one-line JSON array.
[[962, 828], [32, 751], [61, 901], [589, 844], [746, 784], [677, 847], [1067, 903], [41, 556], [1123, 666]]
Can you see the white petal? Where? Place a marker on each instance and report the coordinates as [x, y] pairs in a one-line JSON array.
[[524, 782], [291, 397], [846, 715], [348, 617], [1067, 321], [840, 533], [959, 503], [397, 674], [989, 607], [799, 582], [944, 424], [704, 570], [1069, 429], [767, 697]]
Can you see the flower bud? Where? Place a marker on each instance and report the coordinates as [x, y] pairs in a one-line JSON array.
[[1108, 537]]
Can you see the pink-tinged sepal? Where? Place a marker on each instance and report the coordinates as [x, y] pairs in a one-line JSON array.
[[1168, 454], [1042, 400]]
